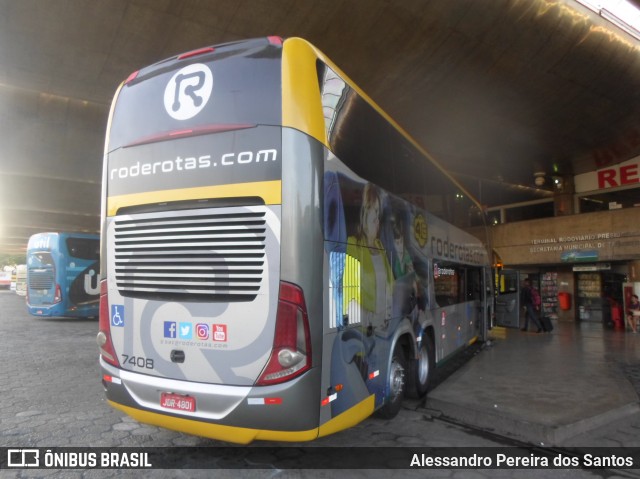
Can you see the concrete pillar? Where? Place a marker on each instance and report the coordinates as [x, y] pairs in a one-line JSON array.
[[563, 195]]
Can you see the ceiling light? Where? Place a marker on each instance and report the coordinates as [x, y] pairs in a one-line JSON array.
[[557, 180]]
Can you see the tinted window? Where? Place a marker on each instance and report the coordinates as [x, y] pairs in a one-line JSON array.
[[83, 248], [473, 284], [362, 138], [244, 87], [41, 260], [455, 283], [448, 281]]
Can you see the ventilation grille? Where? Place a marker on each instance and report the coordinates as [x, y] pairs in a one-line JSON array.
[[206, 257], [41, 279]]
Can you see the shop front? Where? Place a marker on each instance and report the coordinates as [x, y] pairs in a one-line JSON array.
[[580, 263]]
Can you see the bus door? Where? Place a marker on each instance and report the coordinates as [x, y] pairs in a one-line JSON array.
[[508, 298]]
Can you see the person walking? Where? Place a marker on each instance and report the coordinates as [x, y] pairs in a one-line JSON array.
[[633, 313], [528, 303]]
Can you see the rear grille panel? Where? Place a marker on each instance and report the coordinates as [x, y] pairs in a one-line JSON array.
[[218, 256], [40, 279]]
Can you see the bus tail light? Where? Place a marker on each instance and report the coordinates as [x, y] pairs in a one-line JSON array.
[[132, 77], [195, 53], [104, 329], [185, 133], [291, 353], [58, 295]]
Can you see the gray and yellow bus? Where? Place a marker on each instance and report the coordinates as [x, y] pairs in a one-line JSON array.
[[276, 256]]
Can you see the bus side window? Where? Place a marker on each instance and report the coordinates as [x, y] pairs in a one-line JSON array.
[[448, 280], [474, 284]]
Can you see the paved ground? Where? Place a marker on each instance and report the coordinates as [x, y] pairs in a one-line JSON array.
[[52, 397], [547, 388]]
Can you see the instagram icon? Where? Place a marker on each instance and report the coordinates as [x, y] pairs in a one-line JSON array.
[[202, 331]]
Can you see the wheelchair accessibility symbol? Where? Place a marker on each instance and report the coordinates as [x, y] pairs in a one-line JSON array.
[[117, 315]]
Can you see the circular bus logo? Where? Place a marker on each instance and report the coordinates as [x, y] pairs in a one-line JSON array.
[[420, 230], [188, 91]]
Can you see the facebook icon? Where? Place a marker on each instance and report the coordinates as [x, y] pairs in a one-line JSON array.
[[170, 329]]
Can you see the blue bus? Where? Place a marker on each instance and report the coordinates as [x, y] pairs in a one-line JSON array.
[[62, 274]]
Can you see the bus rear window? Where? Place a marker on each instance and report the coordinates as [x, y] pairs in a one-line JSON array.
[[200, 93], [41, 260]]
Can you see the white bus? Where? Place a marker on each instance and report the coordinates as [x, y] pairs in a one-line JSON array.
[[277, 262], [21, 279]]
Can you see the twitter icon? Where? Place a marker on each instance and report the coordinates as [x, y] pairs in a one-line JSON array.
[[186, 331]]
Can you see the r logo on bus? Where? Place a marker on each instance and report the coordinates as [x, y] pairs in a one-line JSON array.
[[188, 91]]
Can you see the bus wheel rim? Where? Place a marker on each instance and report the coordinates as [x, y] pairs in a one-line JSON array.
[[396, 379], [423, 366]]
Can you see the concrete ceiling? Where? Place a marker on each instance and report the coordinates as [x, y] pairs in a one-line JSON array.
[[495, 89]]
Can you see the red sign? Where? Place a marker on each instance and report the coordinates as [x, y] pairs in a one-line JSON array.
[[619, 176], [220, 332]]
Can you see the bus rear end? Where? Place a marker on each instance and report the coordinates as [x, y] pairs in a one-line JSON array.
[[199, 330], [21, 280], [44, 291], [62, 274]]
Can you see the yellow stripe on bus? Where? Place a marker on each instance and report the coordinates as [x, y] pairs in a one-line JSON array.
[[242, 435], [301, 102], [269, 191], [238, 435], [349, 418]]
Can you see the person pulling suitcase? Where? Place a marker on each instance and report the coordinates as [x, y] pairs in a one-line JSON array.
[[528, 301]]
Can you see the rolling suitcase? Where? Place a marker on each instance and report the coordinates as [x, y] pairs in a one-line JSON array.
[[547, 327]]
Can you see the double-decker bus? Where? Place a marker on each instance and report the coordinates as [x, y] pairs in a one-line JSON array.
[[276, 256], [63, 272]]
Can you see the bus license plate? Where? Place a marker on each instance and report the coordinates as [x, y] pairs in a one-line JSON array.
[[178, 402]]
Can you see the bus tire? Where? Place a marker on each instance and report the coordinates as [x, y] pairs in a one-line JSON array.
[[420, 370], [396, 380]]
